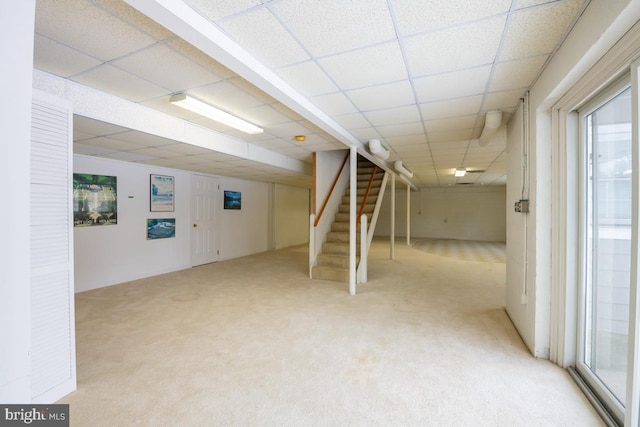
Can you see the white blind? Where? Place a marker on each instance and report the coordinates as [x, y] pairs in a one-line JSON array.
[[53, 329]]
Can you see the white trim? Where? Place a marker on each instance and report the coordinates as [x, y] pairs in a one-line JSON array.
[[632, 401]]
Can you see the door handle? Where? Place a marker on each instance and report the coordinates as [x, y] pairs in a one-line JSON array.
[[195, 225]]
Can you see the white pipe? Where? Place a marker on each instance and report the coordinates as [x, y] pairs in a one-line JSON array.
[[393, 217], [408, 215], [353, 195]]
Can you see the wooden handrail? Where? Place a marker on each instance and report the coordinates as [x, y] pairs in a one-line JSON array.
[[366, 194], [326, 200]]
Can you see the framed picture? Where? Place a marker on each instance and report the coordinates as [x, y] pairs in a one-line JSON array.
[[161, 193], [161, 228], [95, 200], [232, 200]]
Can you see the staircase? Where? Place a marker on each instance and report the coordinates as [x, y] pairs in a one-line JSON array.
[[333, 262]]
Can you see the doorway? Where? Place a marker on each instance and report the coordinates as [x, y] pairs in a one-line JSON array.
[[204, 245]]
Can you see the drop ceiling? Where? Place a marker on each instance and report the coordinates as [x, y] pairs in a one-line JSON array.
[[417, 74]]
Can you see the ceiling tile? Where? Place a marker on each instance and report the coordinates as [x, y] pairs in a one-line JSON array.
[[523, 4], [451, 107], [456, 135], [516, 74], [144, 139], [502, 100], [456, 48], [227, 97], [383, 96], [352, 121], [200, 57], [332, 26], [89, 126], [452, 85], [84, 27], [90, 150], [111, 144], [265, 115], [394, 116], [58, 59], [120, 83], [135, 18], [128, 156], [216, 10], [366, 67], [159, 153], [334, 104], [400, 130], [453, 123], [307, 78], [416, 16], [408, 141], [166, 68], [287, 130], [185, 149], [365, 134], [260, 33], [537, 31]]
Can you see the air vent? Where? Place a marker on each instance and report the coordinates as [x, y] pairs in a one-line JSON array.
[[476, 171], [464, 183]]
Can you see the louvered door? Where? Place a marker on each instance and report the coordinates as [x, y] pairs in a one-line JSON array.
[[52, 308]]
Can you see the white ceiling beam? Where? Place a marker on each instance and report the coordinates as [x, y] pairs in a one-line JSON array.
[[188, 24]]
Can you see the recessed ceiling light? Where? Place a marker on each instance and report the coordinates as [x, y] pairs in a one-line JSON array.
[[300, 138], [460, 172]]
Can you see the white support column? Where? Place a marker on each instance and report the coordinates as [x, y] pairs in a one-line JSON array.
[[16, 44], [312, 244], [364, 248], [408, 215], [353, 195], [393, 217]]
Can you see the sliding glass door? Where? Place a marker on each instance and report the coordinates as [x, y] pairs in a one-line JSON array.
[[606, 246]]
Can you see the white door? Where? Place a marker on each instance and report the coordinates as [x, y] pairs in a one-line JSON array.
[[203, 225]]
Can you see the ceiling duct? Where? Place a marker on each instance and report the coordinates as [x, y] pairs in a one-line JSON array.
[[492, 123]]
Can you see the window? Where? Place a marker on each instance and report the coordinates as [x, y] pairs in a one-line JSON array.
[[604, 290]]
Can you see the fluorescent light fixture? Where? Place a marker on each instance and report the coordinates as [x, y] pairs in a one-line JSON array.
[[460, 172], [188, 103]]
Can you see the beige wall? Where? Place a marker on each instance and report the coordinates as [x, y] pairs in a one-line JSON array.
[[452, 213]]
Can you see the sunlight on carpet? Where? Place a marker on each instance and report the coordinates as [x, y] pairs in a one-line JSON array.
[[467, 250]]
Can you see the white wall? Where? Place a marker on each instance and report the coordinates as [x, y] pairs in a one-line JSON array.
[[246, 231], [16, 45], [452, 213], [598, 29], [291, 216], [112, 254]]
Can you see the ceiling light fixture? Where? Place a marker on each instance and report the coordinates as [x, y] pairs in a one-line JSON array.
[[188, 103], [460, 172], [300, 138]]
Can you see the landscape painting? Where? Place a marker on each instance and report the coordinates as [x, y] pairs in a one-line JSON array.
[[161, 228], [232, 200], [162, 188], [94, 200]]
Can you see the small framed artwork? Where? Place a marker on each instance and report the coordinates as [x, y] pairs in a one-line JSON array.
[[94, 200], [232, 200], [161, 228], [161, 193]]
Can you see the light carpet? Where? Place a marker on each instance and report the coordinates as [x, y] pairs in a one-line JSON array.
[[254, 342], [469, 250]]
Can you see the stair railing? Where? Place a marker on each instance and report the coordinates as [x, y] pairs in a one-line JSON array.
[[366, 194], [315, 220], [367, 233]]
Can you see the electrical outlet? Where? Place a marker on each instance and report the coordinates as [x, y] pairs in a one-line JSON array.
[[522, 206]]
